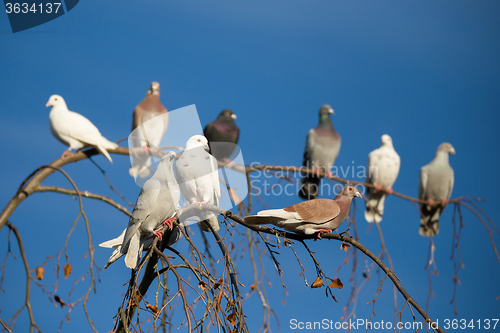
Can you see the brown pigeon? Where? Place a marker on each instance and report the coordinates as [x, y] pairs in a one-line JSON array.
[[436, 183], [322, 149], [149, 124], [309, 217]]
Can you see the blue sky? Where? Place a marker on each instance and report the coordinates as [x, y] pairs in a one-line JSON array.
[[424, 72]]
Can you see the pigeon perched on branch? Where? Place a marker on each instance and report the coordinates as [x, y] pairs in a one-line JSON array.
[[436, 184], [156, 204], [74, 130], [322, 149], [309, 217], [383, 170]]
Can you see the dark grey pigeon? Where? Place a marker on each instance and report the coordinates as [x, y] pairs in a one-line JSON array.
[[322, 149], [222, 135], [436, 184]]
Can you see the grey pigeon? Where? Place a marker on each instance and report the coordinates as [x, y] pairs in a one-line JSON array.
[[74, 130], [198, 177], [149, 124], [222, 135], [322, 149], [156, 204], [309, 217], [146, 242], [383, 170], [436, 183]]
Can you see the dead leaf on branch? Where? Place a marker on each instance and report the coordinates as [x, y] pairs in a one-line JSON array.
[[67, 270], [218, 283], [59, 300], [153, 308], [202, 285], [344, 246], [40, 271], [232, 318], [336, 284], [317, 283]]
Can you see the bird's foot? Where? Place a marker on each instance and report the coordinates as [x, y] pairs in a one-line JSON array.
[[445, 202], [378, 187], [146, 149], [431, 202], [158, 234], [316, 171], [170, 222], [389, 191], [329, 174], [66, 153], [319, 231]]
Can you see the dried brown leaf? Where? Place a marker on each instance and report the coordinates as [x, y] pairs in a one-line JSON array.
[[232, 318], [234, 196], [344, 246], [218, 283], [40, 271], [153, 308], [59, 300], [67, 270], [202, 285], [336, 284], [317, 283]]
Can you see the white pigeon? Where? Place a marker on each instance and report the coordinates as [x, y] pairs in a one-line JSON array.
[[74, 130], [146, 242], [383, 170], [156, 205], [198, 177]]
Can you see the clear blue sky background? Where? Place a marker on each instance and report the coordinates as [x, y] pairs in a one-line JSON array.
[[424, 72]]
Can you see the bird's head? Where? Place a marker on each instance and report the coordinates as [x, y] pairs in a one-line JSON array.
[[227, 114], [351, 191], [55, 100], [325, 110], [446, 148], [197, 141], [386, 139], [154, 88]]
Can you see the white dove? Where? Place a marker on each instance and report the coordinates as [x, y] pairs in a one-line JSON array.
[[74, 130], [198, 177]]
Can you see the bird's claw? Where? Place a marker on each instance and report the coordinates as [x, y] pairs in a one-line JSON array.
[[158, 234], [66, 153], [389, 191], [378, 187], [169, 222], [319, 231], [431, 202]]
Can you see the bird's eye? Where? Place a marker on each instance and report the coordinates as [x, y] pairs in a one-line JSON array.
[[350, 189], [199, 140], [55, 99]]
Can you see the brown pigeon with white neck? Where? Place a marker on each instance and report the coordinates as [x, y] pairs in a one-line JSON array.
[[309, 217]]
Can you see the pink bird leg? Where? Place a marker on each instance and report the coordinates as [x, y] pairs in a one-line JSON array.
[[170, 222], [445, 202], [378, 187], [158, 234], [431, 202], [66, 153], [389, 191]]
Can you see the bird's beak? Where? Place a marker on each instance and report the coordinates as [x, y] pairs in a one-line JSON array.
[[47, 105], [331, 111], [234, 116], [452, 151], [359, 195]]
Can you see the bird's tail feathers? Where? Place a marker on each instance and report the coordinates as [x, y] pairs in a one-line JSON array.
[[105, 153], [134, 251], [309, 188], [375, 209], [214, 223]]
